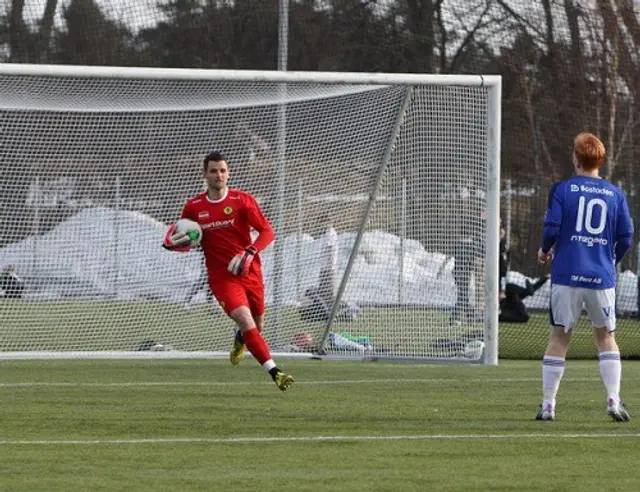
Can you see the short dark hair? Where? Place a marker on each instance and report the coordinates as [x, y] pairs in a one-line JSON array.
[[213, 156]]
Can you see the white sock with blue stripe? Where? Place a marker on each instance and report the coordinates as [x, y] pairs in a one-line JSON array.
[[552, 371], [611, 373]]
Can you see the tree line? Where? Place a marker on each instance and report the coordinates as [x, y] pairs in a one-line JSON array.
[[566, 66]]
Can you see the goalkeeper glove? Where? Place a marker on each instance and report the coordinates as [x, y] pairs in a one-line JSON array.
[[175, 240], [240, 263]]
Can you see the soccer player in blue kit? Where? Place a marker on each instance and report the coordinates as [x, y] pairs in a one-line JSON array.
[[587, 231]]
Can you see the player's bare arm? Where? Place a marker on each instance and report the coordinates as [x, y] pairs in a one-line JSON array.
[[543, 257]]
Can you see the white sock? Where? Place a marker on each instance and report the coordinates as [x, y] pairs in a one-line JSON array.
[[611, 372], [269, 365], [552, 371]]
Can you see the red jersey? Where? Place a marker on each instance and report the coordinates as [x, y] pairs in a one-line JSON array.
[[226, 229]]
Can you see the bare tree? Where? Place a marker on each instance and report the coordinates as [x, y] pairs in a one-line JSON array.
[[25, 45], [18, 32], [577, 57], [620, 69], [549, 31], [469, 30], [46, 27], [421, 21]]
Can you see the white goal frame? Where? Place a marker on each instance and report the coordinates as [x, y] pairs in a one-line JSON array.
[[493, 83]]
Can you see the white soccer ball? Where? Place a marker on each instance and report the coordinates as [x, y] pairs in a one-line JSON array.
[[161, 347], [191, 229], [474, 350]]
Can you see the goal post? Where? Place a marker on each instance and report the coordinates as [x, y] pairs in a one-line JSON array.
[[383, 188]]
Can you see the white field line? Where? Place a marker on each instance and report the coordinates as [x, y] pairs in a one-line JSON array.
[[305, 439], [305, 383]]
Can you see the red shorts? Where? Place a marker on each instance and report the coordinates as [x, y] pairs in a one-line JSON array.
[[233, 292]]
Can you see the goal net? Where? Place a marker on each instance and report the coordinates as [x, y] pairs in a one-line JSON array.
[[382, 190]]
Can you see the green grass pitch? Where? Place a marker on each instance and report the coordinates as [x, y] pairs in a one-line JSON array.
[[204, 425]]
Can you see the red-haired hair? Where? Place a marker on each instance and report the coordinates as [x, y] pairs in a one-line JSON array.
[[589, 151]]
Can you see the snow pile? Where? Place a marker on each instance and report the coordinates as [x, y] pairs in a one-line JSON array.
[[106, 253]]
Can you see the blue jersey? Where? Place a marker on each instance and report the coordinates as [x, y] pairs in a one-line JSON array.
[[589, 225]]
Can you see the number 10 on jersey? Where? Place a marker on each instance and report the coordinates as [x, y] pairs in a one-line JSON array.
[[585, 215]]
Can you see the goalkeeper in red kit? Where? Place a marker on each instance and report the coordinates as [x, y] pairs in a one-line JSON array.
[[232, 259]]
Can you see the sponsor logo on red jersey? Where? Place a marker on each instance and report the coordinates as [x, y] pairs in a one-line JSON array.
[[218, 224]]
